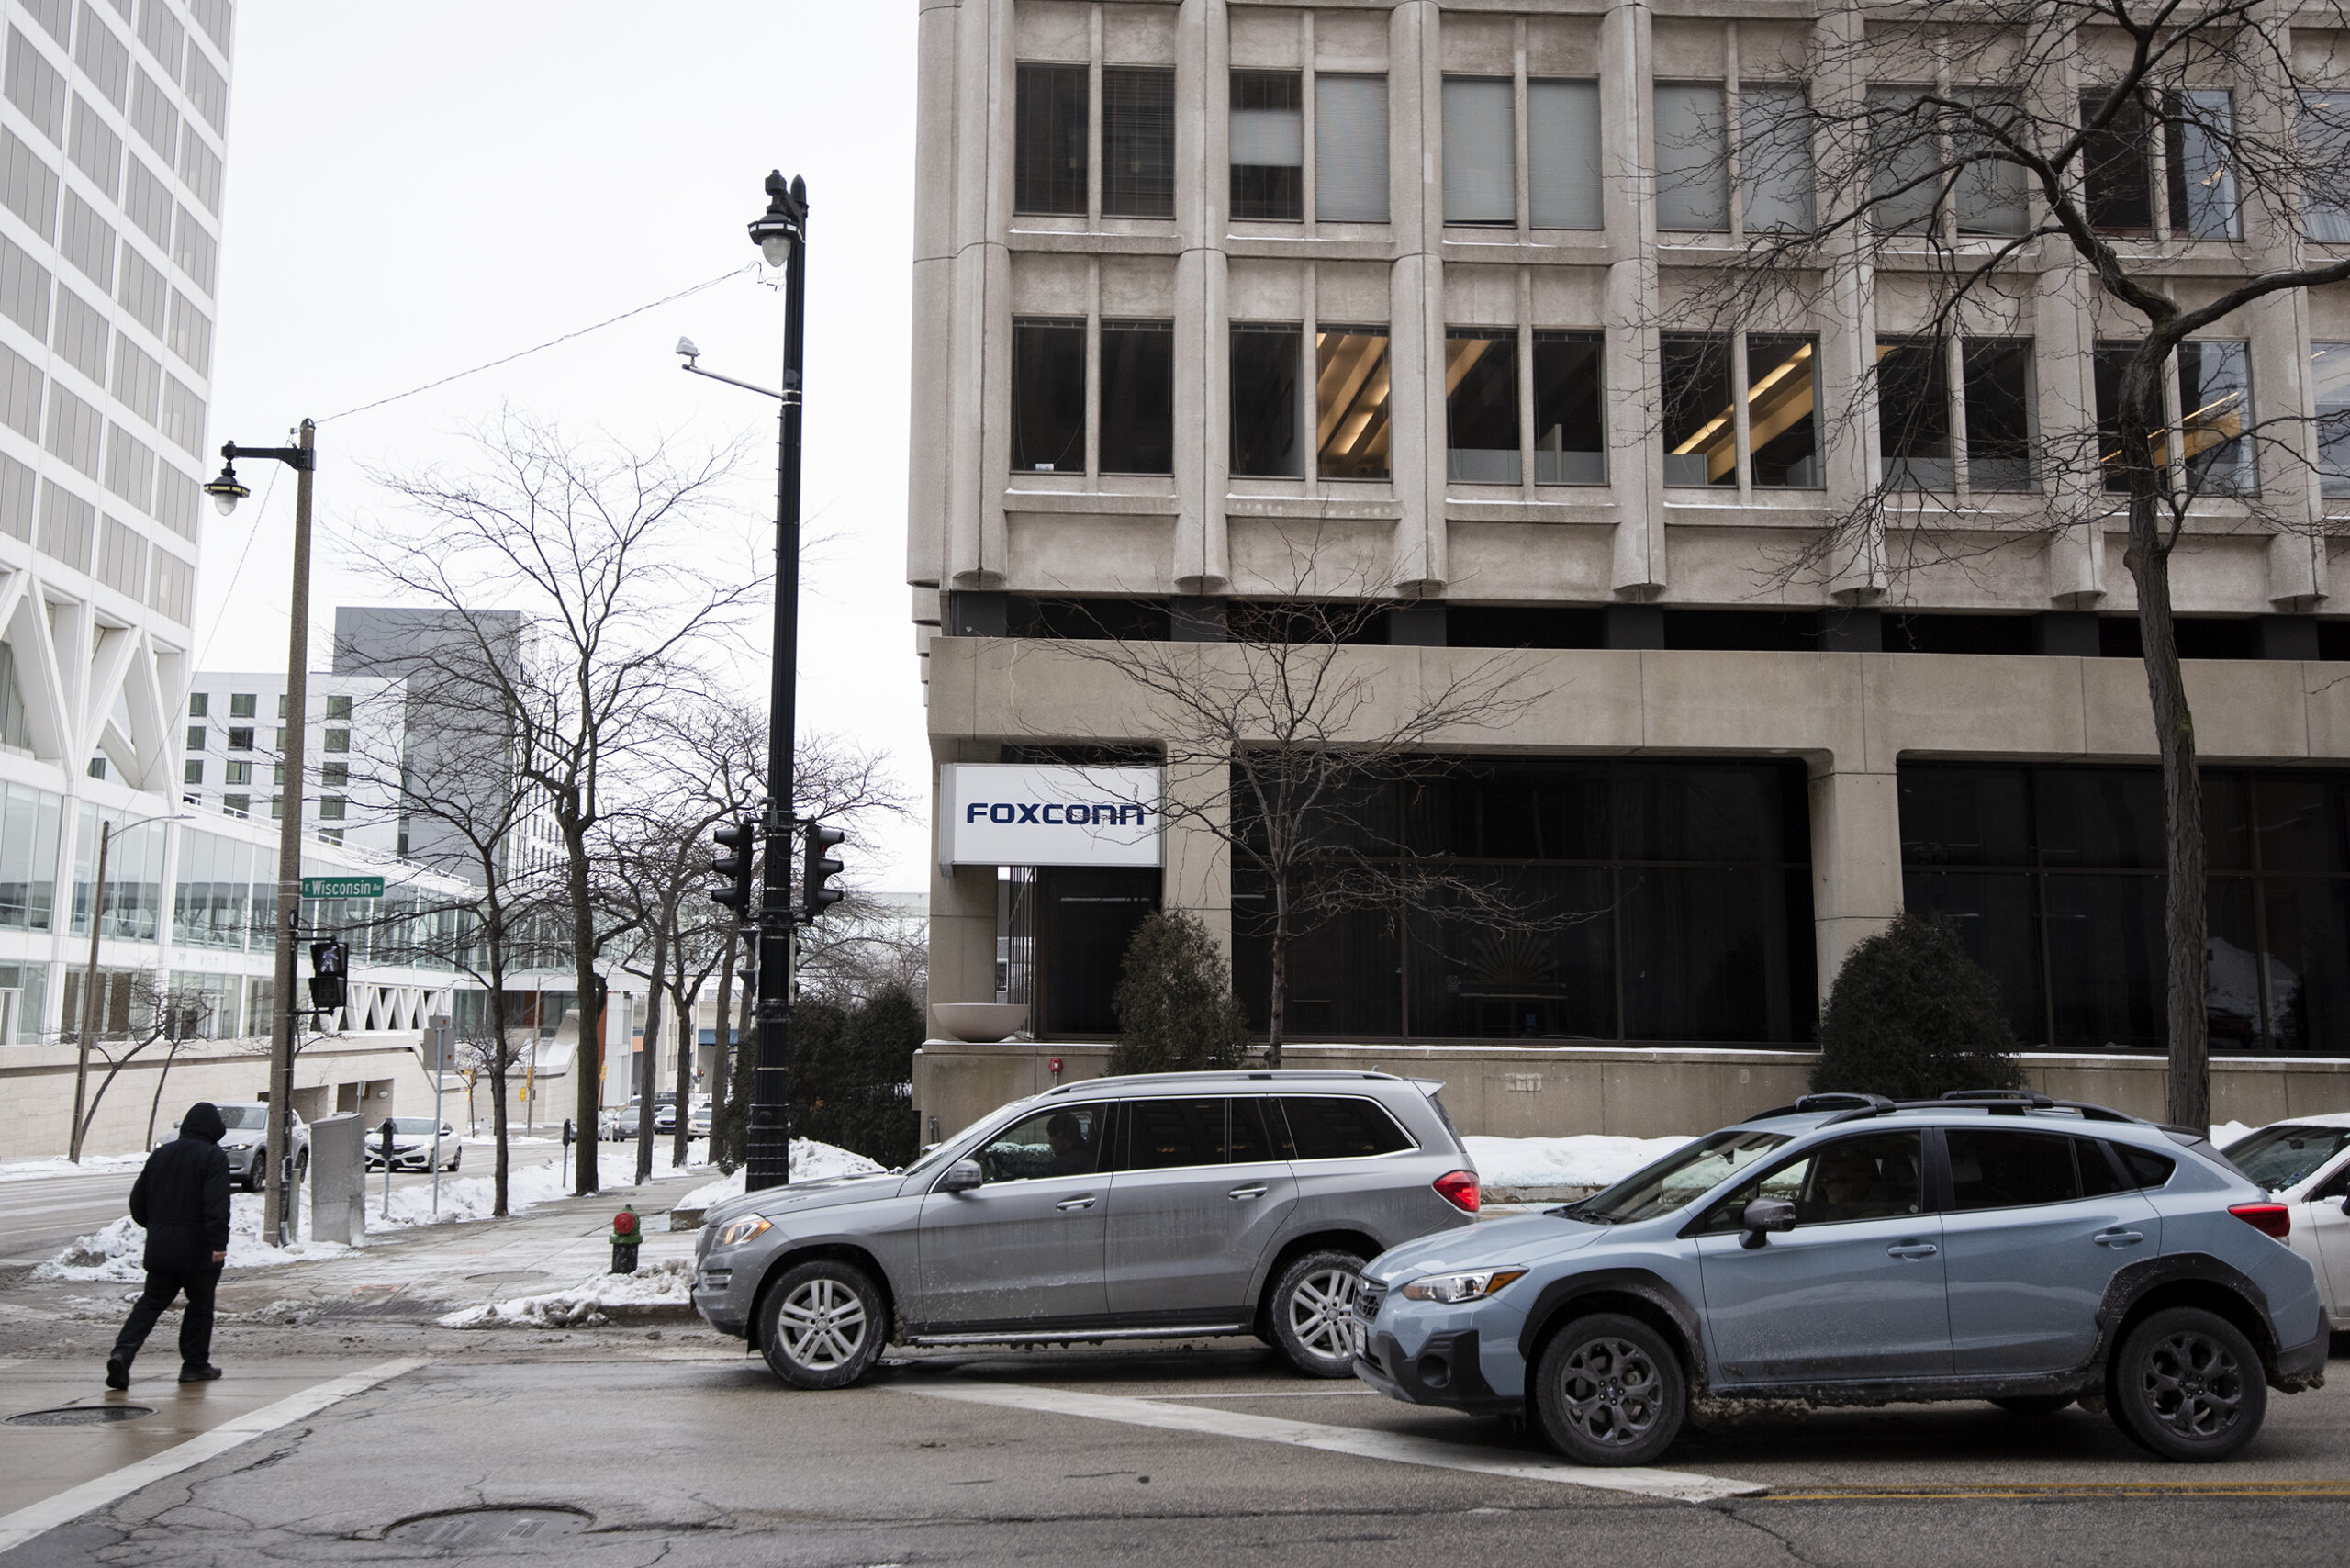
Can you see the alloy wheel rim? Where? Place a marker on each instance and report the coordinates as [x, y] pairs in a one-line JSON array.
[[2193, 1385], [1318, 1310], [822, 1324], [1612, 1391]]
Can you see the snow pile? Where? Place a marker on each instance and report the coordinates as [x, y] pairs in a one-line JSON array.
[[582, 1306], [811, 1162], [473, 1197], [112, 1253], [58, 1165], [1588, 1160]]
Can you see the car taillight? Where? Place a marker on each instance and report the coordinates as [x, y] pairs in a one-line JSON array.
[[2269, 1219], [1458, 1188]]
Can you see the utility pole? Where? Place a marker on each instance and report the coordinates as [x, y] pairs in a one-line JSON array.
[[90, 995], [279, 1209]]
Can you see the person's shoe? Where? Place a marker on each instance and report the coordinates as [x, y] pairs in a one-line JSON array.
[[117, 1372], [198, 1374]]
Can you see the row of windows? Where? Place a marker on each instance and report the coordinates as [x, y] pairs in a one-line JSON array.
[[2164, 173], [1954, 415], [71, 531], [238, 775], [244, 705], [239, 737], [105, 59], [88, 242]]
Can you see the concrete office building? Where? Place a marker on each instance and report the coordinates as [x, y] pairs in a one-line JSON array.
[[1206, 291]]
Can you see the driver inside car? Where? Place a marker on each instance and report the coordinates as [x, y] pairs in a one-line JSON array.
[[1853, 1185]]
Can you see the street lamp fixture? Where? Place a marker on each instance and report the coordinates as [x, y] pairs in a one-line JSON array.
[[783, 227], [224, 491]]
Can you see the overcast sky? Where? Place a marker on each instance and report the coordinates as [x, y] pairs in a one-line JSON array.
[[415, 189]]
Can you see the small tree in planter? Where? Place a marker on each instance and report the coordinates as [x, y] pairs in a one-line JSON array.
[[1176, 1010], [1912, 1017]]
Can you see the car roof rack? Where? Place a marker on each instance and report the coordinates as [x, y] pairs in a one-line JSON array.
[[1851, 1107], [1229, 1074], [1873, 1104]]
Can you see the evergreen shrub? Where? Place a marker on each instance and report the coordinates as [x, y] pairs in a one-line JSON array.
[[1911, 1017], [1176, 1010]]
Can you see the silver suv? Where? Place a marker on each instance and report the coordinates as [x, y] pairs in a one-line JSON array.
[[1160, 1206]]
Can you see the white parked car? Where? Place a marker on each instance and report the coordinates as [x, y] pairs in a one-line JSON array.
[[418, 1143], [2306, 1164]]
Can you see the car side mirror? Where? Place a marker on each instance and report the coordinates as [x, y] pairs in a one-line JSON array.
[[1762, 1216], [2346, 1204], [961, 1177]]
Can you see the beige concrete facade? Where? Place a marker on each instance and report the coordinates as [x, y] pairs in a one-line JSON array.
[[975, 528]]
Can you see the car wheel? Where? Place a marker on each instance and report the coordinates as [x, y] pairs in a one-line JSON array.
[[252, 1176], [301, 1165], [2188, 1385], [822, 1324], [457, 1159], [1610, 1391], [2035, 1405], [1308, 1307]]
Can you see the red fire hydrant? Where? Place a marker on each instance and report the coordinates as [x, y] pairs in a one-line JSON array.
[[626, 1235]]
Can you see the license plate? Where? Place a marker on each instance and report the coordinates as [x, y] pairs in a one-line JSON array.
[[1358, 1336]]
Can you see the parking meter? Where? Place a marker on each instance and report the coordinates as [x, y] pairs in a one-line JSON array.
[[386, 1131]]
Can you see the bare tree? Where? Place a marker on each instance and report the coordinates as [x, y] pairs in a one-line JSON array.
[[627, 573], [1950, 161], [162, 1010], [1281, 741]]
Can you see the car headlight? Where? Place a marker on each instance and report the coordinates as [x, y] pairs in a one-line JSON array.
[[738, 1231], [1473, 1287]]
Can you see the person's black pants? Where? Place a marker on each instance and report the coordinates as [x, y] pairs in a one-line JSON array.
[[196, 1322]]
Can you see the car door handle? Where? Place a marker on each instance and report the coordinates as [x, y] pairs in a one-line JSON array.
[[2118, 1237], [1912, 1250], [1241, 1195], [1082, 1201]]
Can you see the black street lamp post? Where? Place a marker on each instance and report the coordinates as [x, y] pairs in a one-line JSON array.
[[781, 235]]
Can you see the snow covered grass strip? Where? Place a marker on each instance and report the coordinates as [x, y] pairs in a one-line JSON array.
[[666, 1283]]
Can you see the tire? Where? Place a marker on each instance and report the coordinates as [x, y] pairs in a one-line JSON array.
[[2034, 1405], [457, 1159], [823, 1325], [2186, 1385], [253, 1177], [1610, 1391], [1308, 1308], [301, 1166]]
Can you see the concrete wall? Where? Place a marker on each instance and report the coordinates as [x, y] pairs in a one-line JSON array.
[[1522, 1091]]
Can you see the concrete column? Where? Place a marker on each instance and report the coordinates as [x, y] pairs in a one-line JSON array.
[[2065, 337], [1199, 864], [979, 456], [962, 927], [1855, 858], [1846, 418], [1635, 460], [931, 402], [1415, 87], [1202, 563]]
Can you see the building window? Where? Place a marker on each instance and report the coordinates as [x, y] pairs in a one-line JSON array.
[[1918, 422], [1351, 388], [335, 775], [1049, 139], [196, 737], [1265, 358], [2053, 877], [243, 705], [1480, 150], [240, 738], [198, 704], [338, 740], [278, 743], [1481, 410], [277, 776], [239, 773], [331, 835], [1562, 140], [1047, 396], [2197, 127], [330, 808], [2323, 129], [281, 705], [1350, 149], [1782, 437], [278, 808], [2206, 396], [2330, 379], [1914, 414], [1570, 408], [193, 771], [1692, 161], [238, 805], [337, 708], [1774, 171], [1138, 397], [1700, 425], [97, 769], [1268, 145], [1137, 141], [1704, 434]]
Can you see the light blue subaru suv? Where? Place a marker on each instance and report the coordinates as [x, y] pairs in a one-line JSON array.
[[1850, 1250]]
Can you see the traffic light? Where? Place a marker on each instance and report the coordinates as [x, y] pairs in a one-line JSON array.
[[814, 897], [742, 838], [330, 964]]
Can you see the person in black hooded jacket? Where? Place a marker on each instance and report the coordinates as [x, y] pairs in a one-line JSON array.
[[181, 1199]]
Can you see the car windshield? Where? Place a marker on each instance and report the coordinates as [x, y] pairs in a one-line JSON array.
[[2278, 1158], [1677, 1180], [245, 1118], [416, 1125]]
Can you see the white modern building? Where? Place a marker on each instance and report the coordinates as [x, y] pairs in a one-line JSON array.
[[236, 737], [1228, 304]]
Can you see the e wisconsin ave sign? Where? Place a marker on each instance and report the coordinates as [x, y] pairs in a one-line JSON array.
[[343, 887], [1007, 815]]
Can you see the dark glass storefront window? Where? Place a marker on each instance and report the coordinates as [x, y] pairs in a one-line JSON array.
[[2054, 878], [1643, 902], [1083, 921]]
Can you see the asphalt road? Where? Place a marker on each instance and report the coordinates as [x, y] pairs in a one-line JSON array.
[[629, 1449]]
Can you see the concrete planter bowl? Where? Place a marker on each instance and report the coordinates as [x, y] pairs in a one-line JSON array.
[[979, 1023]]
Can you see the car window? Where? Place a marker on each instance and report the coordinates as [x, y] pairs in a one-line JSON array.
[[1332, 1126], [1063, 1141], [1164, 1134], [1248, 1139], [2283, 1156], [2146, 1168], [245, 1118], [414, 1124], [1677, 1180], [2336, 1186], [2101, 1171], [1996, 1169], [1876, 1176]]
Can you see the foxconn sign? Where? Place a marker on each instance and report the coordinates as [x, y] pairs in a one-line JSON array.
[[1007, 815]]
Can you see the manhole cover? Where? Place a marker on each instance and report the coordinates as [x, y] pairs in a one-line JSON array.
[[81, 1415], [476, 1528]]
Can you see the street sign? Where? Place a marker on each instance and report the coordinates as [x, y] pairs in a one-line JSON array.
[[343, 887]]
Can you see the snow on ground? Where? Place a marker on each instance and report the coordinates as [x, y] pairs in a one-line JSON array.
[[58, 1165], [811, 1162], [1588, 1160], [582, 1306], [113, 1253]]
